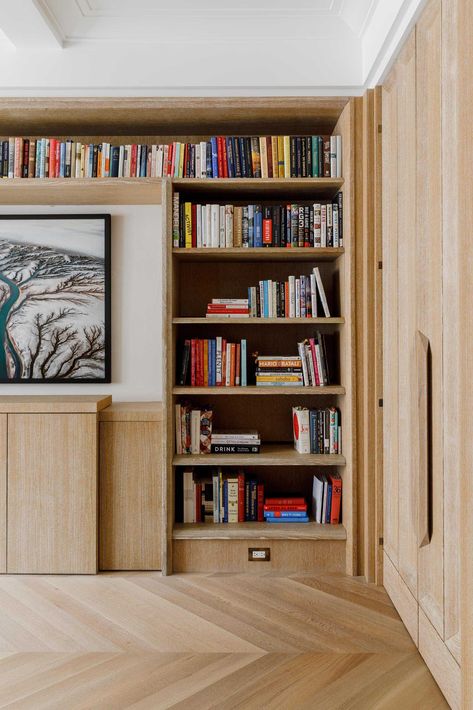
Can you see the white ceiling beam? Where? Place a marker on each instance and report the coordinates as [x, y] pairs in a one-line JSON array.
[[29, 25]]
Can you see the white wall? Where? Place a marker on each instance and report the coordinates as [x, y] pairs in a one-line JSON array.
[[136, 304]]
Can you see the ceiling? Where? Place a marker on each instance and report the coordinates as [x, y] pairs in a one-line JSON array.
[[163, 47]]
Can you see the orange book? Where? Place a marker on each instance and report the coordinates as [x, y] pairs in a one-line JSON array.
[[232, 364], [206, 363], [237, 363], [335, 508]]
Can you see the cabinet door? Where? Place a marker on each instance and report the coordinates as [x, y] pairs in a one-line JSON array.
[[131, 499], [429, 298], [52, 493]]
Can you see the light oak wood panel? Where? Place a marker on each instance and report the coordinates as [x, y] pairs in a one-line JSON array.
[[264, 188], [257, 321], [270, 455], [302, 556], [132, 412], [257, 254], [441, 663], [56, 404], [258, 531], [429, 289], [404, 601], [407, 278], [3, 492], [452, 337], [52, 493], [81, 191], [259, 391], [130, 495]]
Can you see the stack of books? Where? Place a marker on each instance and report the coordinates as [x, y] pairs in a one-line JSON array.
[[235, 442], [298, 297], [285, 510], [228, 308], [213, 363], [314, 224], [221, 498], [327, 498], [317, 431], [193, 429], [279, 371]]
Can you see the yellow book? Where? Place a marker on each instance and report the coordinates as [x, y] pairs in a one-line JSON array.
[[281, 156], [188, 224], [274, 150], [181, 160], [287, 157]]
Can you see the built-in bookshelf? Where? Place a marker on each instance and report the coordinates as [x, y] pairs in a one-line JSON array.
[[193, 276]]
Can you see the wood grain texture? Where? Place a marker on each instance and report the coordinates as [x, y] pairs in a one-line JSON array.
[[130, 495], [257, 254], [132, 412], [441, 663], [406, 604], [271, 455], [52, 493], [81, 191], [258, 531], [3, 492], [55, 404], [258, 391], [193, 641]]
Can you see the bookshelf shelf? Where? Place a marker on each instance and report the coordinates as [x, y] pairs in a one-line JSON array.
[[260, 254], [271, 455], [258, 531], [258, 321], [266, 188], [253, 390], [81, 191]]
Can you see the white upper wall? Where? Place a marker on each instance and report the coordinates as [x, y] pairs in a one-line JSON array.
[[198, 47]]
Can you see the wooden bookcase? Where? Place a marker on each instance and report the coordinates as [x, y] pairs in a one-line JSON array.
[[191, 278]]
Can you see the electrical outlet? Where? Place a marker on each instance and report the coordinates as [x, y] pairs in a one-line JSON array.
[[259, 554]]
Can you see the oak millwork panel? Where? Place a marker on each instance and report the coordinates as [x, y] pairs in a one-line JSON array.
[[3, 493], [130, 494], [52, 493]]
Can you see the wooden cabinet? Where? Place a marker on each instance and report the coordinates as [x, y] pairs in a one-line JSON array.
[[50, 446], [131, 487]]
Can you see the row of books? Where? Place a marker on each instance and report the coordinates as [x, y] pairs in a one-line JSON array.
[[193, 429], [318, 224], [221, 156], [317, 431], [314, 361], [213, 362], [298, 297], [327, 498]]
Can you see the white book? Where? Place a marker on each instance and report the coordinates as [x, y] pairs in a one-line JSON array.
[[206, 239], [313, 295], [323, 225], [317, 236], [214, 226], [298, 298], [330, 221], [216, 497], [221, 227], [121, 161], [78, 160], [218, 360], [319, 364], [301, 431], [321, 290], [261, 297], [197, 172], [310, 363], [305, 372], [270, 298], [178, 429], [228, 357], [154, 150], [339, 157], [159, 161], [335, 226], [203, 159], [229, 226], [230, 301], [292, 296], [195, 431], [317, 498], [333, 156], [275, 300], [188, 496], [198, 229]]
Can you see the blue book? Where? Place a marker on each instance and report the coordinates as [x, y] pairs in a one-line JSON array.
[[244, 162], [266, 298], [62, 161], [285, 514], [243, 370], [313, 431], [305, 519], [114, 161], [329, 502], [214, 151], [258, 238], [253, 500], [91, 158], [230, 158], [225, 501]]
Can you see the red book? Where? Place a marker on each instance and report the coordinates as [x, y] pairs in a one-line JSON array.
[[134, 153], [224, 157], [260, 502], [336, 498], [58, 159], [242, 311], [219, 156], [285, 501], [241, 497], [314, 360], [237, 363], [198, 502], [267, 231], [194, 225], [269, 153], [193, 368], [171, 159], [52, 157], [200, 363], [286, 299], [279, 508]]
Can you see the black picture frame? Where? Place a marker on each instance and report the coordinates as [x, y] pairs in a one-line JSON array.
[[107, 360]]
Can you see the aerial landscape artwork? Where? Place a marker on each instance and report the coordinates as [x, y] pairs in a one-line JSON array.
[[54, 298]]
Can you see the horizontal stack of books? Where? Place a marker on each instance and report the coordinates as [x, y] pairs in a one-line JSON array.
[[235, 442], [295, 298], [317, 431], [318, 224], [285, 510], [315, 370], [193, 429], [327, 498], [221, 156], [221, 498], [228, 308], [213, 363], [278, 371]]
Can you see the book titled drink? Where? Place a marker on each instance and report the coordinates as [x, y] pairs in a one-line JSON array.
[[235, 442]]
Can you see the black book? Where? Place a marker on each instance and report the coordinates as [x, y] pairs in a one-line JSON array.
[[303, 144], [282, 212], [182, 377], [234, 448], [293, 156], [114, 159], [208, 155], [237, 157], [182, 234], [230, 158], [243, 158], [308, 142], [306, 225], [249, 162], [4, 158], [321, 156], [311, 225], [144, 160], [339, 200], [276, 226], [94, 164], [26, 157], [300, 226]]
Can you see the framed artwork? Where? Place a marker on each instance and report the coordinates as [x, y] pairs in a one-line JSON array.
[[55, 298]]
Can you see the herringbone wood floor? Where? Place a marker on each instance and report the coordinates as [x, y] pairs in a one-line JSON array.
[[139, 640]]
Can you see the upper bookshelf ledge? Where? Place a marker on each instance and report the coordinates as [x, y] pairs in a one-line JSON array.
[[260, 254], [265, 187]]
